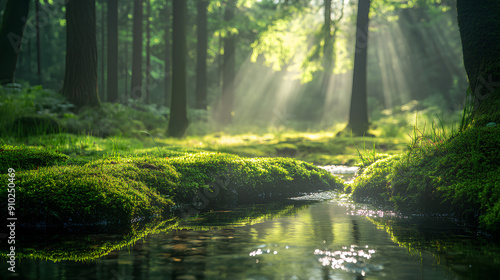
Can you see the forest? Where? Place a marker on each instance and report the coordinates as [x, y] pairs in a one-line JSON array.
[[177, 127]]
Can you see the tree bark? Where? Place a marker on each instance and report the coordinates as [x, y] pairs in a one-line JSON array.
[[327, 51], [358, 115], [38, 50], [148, 52], [228, 71], [168, 60], [103, 47], [11, 34], [178, 121], [479, 25], [80, 78], [201, 63], [327, 47], [136, 84], [112, 51]]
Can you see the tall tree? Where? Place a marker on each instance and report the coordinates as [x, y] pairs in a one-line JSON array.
[[11, 34], [358, 115], [148, 51], [80, 77], [38, 50], [103, 47], [178, 121], [112, 27], [480, 33], [329, 41], [136, 86], [168, 60], [327, 47], [201, 58], [229, 70]]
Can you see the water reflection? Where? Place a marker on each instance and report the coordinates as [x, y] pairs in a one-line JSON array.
[[326, 240]]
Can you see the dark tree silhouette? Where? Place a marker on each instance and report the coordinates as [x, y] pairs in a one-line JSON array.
[[327, 47], [358, 115], [80, 77], [201, 50], [228, 71], [168, 60], [178, 121], [479, 24], [38, 50], [148, 52], [11, 35], [136, 85], [112, 50]]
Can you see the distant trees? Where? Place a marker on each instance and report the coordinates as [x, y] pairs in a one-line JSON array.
[[480, 32], [228, 70], [11, 34], [327, 47], [329, 36], [178, 121], [80, 77]]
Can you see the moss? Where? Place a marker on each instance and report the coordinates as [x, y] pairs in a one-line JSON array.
[[488, 110], [21, 158], [120, 190], [373, 183], [459, 176]]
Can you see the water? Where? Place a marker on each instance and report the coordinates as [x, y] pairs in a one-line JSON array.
[[318, 236], [323, 240]]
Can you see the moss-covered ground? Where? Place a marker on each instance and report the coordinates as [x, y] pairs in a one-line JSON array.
[[458, 175], [54, 189]]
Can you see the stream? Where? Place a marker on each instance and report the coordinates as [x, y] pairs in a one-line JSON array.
[[320, 236]]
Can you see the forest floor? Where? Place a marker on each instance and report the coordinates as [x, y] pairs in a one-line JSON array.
[[65, 181]]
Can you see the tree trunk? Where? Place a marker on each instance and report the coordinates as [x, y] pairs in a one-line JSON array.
[[136, 86], [358, 115], [38, 51], [228, 71], [103, 47], [201, 63], [168, 60], [80, 77], [327, 52], [11, 34], [148, 52], [480, 33], [112, 51], [327, 47], [178, 122]]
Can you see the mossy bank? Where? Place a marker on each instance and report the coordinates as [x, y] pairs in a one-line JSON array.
[[56, 191], [459, 176]]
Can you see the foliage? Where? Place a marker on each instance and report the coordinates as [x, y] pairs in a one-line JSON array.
[[31, 101], [109, 120]]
